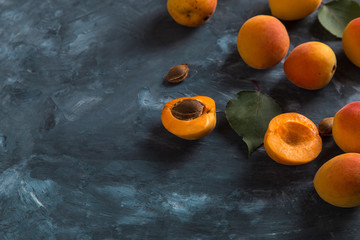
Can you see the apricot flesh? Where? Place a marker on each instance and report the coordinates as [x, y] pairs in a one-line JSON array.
[[262, 41], [293, 9], [191, 13], [338, 180], [189, 122], [346, 127], [310, 65], [292, 139], [351, 41]]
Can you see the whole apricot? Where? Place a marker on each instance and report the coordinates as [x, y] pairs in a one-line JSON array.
[[263, 41], [292, 139], [293, 9], [189, 118], [191, 13], [351, 41], [338, 180], [346, 127], [310, 65]]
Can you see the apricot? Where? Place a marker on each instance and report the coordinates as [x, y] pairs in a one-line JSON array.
[[338, 180], [292, 139], [191, 13], [351, 41], [293, 9], [310, 65], [346, 127], [189, 118], [263, 41]]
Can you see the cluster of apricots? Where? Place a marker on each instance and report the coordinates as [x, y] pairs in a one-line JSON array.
[[291, 138]]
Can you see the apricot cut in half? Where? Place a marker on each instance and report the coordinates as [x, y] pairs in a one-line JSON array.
[[292, 139], [189, 118]]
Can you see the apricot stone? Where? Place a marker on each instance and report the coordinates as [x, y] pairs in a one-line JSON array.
[[263, 41], [292, 139], [351, 41], [310, 65], [293, 9], [346, 127], [338, 180], [191, 13]]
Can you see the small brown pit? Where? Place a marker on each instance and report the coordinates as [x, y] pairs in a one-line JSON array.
[[325, 126], [177, 73], [187, 109]]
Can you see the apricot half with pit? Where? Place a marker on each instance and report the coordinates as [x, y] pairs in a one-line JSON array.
[[292, 139], [338, 180], [189, 118]]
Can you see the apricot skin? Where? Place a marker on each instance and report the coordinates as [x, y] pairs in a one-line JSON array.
[[346, 127], [293, 9], [310, 65], [338, 180], [192, 129], [351, 41], [292, 139], [191, 13], [263, 41]]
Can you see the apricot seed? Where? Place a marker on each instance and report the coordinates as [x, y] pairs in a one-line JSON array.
[[325, 126], [177, 73], [187, 109]]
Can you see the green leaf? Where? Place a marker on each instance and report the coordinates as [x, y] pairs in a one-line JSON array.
[[335, 15], [249, 115]]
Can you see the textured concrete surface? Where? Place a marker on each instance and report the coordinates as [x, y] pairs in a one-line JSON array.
[[84, 154]]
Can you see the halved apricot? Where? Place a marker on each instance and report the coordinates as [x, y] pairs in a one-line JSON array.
[[190, 118], [292, 139]]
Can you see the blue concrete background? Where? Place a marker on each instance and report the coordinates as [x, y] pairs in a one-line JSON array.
[[84, 154]]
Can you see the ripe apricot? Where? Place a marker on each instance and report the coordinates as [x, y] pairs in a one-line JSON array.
[[346, 127], [292, 139], [191, 13], [263, 41], [310, 65], [293, 9], [351, 41], [190, 118], [338, 180]]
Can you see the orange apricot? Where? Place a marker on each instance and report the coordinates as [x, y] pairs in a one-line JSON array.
[[189, 118], [351, 41], [338, 180], [292, 139], [310, 65], [293, 9], [191, 13], [346, 127], [263, 41]]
